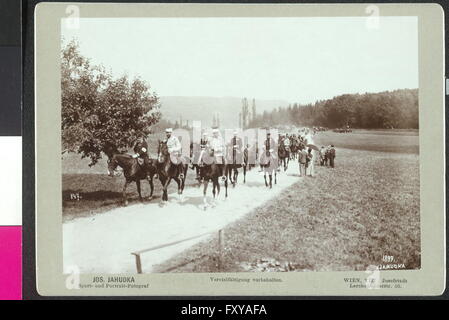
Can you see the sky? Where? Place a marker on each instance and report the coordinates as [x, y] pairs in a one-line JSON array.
[[293, 59]]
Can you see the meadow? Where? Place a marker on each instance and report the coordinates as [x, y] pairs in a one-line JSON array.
[[345, 218]]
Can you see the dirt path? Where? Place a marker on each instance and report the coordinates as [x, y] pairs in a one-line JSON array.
[[103, 243]]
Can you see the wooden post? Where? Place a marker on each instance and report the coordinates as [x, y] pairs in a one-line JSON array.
[[138, 263], [220, 248]]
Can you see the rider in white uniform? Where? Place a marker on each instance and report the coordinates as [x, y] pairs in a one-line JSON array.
[[216, 143], [173, 145]]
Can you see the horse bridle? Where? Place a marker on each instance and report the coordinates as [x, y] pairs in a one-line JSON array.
[[160, 155], [112, 163]]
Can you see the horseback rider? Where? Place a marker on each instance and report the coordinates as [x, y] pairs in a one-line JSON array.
[[217, 146], [237, 146], [287, 142], [269, 144], [174, 147], [204, 141], [141, 151]]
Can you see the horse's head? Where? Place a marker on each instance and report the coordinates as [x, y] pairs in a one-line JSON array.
[[162, 151], [112, 165]]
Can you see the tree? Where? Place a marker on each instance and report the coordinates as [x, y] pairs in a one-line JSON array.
[[101, 114], [245, 113], [254, 110]]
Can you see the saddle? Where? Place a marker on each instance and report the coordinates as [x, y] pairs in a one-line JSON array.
[[177, 159], [219, 160], [264, 160]]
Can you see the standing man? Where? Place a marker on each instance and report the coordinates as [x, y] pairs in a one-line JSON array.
[[310, 162], [216, 144], [302, 159], [322, 155], [332, 156]]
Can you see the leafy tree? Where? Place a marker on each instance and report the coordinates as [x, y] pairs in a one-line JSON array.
[[100, 113]]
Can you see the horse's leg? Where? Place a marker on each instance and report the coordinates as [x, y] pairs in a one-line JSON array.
[[265, 178], [125, 200], [165, 187], [275, 176], [226, 189], [218, 186], [244, 174], [150, 181], [182, 179], [205, 182], [271, 180], [228, 171], [139, 191], [179, 183], [214, 188], [197, 169]]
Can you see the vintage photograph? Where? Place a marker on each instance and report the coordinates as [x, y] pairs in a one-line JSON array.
[[240, 144]]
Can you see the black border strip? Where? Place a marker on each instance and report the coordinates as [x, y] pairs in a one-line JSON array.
[[10, 69]]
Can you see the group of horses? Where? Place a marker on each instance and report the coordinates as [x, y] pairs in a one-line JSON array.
[[207, 170]]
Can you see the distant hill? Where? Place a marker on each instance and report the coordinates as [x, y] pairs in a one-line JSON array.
[[203, 108]]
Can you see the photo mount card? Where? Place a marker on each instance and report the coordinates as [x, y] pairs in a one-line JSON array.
[[239, 150]]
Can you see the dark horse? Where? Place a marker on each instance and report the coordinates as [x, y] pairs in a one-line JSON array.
[[284, 155], [234, 160], [211, 171], [294, 147], [167, 170], [132, 171]]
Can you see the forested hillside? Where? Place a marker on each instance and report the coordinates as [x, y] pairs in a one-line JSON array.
[[391, 109]]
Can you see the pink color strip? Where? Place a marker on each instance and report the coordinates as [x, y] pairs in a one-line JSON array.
[[11, 263]]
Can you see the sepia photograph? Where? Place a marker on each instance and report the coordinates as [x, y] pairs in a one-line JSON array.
[[240, 144]]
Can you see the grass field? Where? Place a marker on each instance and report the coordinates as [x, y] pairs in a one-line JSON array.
[[100, 193], [397, 141], [345, 218]]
